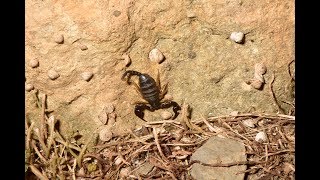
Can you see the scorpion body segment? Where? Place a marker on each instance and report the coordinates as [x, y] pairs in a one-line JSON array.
[[150, 91]]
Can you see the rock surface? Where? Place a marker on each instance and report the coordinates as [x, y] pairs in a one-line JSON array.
[[202, 66], [217, 150]]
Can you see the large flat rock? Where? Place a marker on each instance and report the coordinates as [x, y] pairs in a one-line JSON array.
[[217, 150]]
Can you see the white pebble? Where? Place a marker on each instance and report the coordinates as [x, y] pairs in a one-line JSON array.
[[59, 39], [105, 134], [166, 115], [156, 56], [261, 137], [86, 76], [249, 123], [52, 74], [29, 87], [237, 37], [34, 63]]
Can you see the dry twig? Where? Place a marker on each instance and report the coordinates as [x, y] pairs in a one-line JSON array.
[[273, 95], [38, 173], [155, 134]]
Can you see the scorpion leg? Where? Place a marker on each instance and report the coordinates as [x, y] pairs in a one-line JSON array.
[[173, 104], [158, 79], [139, 110], [164, 89]]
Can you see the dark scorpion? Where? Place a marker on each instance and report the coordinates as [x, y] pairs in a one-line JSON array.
[[150, 91]]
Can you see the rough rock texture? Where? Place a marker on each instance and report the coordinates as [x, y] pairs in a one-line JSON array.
[[217, 150], [203, 66]]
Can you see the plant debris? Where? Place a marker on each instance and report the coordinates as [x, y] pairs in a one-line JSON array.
[[166, 146]]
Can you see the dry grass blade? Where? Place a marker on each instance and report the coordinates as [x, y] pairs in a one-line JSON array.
[[155, 134], [43, 127], [38, 173]]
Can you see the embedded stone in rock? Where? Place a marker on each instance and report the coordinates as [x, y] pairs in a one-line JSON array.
[[86, 76], [29, 87], [217, 150], [59, 39], [34, 63], [52, 74], [83, 47]]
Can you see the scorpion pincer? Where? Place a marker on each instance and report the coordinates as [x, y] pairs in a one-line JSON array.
[[150, 91]]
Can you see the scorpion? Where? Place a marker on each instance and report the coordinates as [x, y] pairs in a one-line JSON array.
[[150, 91]]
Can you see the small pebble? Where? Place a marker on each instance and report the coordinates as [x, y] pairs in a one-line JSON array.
[[256, 84], [260, 68], [105, 134], [34, 63], [86, 76], [29, 87], [156, 55], [192, 55], [83, 47], [116, 13], [249, 123], [191, 14], [52, 74], [124, 172], [108, 115], [112, 118], [59, 39], [103, 117], [261, 137], [259, 77], [166, 115], [237, 37]]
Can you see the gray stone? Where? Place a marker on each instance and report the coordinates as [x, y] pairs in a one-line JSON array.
[[144, 169], [217, 150]]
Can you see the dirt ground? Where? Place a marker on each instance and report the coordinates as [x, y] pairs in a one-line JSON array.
[[203, 66]]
